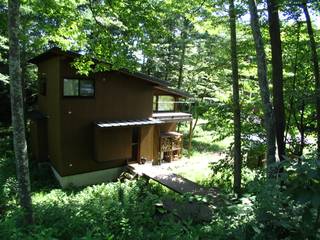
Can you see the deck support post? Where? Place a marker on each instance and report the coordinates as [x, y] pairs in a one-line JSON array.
[[190, 139]]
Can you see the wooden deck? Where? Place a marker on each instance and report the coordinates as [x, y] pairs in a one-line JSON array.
[[198, 211], [173, 181]]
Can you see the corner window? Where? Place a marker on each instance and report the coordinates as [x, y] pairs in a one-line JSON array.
[[165, 103], [78, 88], [155, 103]]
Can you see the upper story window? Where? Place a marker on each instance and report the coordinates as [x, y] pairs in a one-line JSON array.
[[163, 103], [155, 103], [78, 87]]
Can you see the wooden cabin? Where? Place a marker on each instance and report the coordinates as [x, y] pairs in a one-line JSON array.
[[90, 127]]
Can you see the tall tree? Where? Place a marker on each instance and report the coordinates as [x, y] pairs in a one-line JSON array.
[[263, 85], [17, 113], [183, 51], [315, 62], [277, 75], [236, 103]]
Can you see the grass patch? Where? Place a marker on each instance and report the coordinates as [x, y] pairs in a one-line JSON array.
[[204, 141]]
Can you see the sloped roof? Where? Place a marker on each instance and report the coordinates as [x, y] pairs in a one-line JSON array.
[[52, 52], [55, 51], [173, 91]]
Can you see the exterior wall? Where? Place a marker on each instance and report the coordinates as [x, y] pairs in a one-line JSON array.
[[39, 140], [156, 142], [75, 145], [84, 179], [50, 106], [146, 143], [112, 144], [34, 140], [117, 97]]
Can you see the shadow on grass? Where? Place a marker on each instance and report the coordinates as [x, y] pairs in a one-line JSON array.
[[41, 178]]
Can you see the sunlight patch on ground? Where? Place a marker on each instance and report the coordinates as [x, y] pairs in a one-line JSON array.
[[196, 168]]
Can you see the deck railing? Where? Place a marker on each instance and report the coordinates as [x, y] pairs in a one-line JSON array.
[[173, 106]]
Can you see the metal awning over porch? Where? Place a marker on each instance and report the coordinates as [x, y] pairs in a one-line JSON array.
[[128, 123], [172, 116]]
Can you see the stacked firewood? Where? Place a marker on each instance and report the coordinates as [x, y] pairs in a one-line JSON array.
[[166, 144]]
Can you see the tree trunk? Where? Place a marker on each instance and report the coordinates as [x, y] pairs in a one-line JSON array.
[[236, 103], [263, 85], [168, 62], [314, 59], [149, 66], [19, 139], [302, 130], [183, 52], [293, 88], [277, 75]]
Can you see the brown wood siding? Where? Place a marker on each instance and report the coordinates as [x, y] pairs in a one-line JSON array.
[[117, 97], [39, 140], [50, 105], [146, 143], [34, 141], [156, 142], [112, 144]]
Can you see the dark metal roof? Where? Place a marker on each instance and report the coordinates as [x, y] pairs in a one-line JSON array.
[[52, 52], [128, 123], [172, 91], [144, 77]]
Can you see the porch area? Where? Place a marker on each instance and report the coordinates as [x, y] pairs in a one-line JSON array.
[[166, 175], [141, 140], [180, 176]]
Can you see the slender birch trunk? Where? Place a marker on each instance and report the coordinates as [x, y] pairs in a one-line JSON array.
[[17, 111]]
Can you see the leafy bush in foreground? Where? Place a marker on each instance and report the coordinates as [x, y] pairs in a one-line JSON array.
[[106, 211], [286, 207]]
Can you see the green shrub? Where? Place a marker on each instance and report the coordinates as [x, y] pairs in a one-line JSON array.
[[222, 175], [287, 207], [105, 211]]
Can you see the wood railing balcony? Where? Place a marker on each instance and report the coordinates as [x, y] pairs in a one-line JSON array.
[[172, 116]]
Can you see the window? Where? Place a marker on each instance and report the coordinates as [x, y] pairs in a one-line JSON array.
[[86, 88], [42, 80], [70, 87], [78, 88], [165, 103], [155, 103]]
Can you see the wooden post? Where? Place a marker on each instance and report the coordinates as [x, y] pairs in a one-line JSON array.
[[190, 139]]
